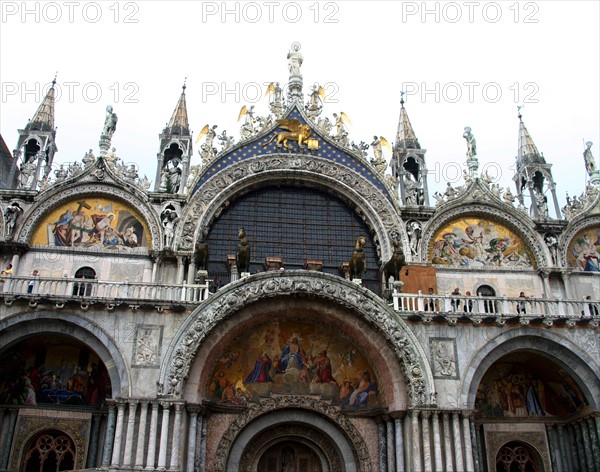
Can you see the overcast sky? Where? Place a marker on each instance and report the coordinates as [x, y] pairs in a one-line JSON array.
[[460, 63]]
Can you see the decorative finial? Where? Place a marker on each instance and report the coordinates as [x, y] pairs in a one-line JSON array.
[[184, 82], [519, 110], [54, 80], [402, 99]]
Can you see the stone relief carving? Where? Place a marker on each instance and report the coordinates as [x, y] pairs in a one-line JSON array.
[[147, 346], [443, 358], [358, 299]]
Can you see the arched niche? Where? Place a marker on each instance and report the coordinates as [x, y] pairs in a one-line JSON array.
[[313, 297], [583, 250], [79, 333], [555, 350], [479, 242], [290, 348]]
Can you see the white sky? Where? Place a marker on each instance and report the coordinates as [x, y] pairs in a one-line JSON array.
[[135, 56]]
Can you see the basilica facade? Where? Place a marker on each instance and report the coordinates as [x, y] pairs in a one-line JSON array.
[[294, 301]]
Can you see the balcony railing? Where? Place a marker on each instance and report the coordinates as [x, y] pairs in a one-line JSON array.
[[408, 305], [87, 290], [479, 308]]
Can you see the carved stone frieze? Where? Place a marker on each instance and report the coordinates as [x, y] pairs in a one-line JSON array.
[[505, 215], [325, 409], [235, 296], [377, 209], [106, 189]]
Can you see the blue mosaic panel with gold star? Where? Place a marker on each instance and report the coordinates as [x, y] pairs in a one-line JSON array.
[[266, 145]]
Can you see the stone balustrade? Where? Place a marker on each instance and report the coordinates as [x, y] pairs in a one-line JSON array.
[[93, 290]]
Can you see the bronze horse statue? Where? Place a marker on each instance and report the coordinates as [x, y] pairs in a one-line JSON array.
[[393, 267], [357, 263], [243, 252], [201, 252]]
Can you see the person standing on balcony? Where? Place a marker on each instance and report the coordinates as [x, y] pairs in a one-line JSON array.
[[455, 302], [468, 303], [32, 282], [521, 304], [592, 307]]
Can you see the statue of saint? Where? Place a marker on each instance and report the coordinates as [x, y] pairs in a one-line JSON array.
[[294, 59], [110, 123], [471, 143], [590, 163]]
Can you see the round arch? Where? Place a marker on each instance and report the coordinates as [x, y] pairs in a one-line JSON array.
[[18, 327], [313, 285], [530, 237], [371, 204], [580, 223], [551, 346], [74, 188], [305, 420]]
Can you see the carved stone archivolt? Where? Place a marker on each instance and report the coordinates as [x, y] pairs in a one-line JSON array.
[[303, 433], [85, 190], [535, 440], [355, 298], [512, 219], [307, 407], [375, 208]]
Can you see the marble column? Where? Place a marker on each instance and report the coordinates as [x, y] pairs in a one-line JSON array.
[[587, 441], [458, 453], [565, 459], [447, 443], [597, 421], [109, 435], [193, 411], [141, 442], [579, 445], [469, 465], [164, 436], [425, 415], [116, 455], [130, 433], [180, 268], [415, 442], [191, 277], [174, 465], [391, 454], [152, 436], [399, 436], [94, 439], [10, 430], [595, 441], [476, 441], [382, 443], [553, 446], [202, 444], [437, 442]]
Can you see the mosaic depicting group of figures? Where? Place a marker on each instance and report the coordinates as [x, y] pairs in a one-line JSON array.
[[527, 385], [294, 358], [97, 223], [472, 242], [52, 371], [584, 251]]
